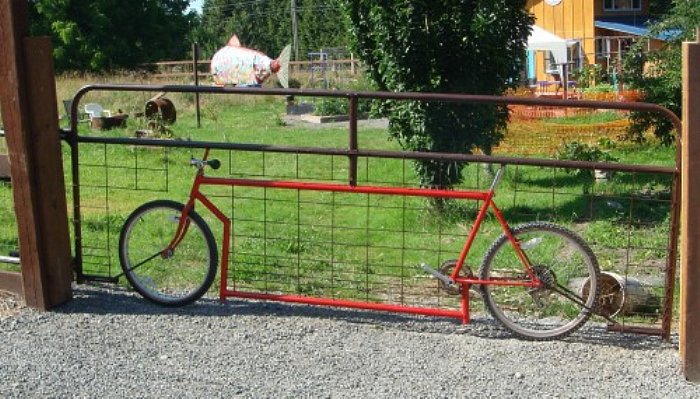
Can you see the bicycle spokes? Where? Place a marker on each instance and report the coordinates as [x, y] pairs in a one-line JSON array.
[[561, 263], [169, 261]]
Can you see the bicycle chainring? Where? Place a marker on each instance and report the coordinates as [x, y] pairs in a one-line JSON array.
[[447, 268]]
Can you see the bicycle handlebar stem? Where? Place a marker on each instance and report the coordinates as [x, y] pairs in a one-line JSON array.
[[198, 163], [201, 163]]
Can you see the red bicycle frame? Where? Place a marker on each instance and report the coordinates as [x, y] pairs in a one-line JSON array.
[[465, 282]]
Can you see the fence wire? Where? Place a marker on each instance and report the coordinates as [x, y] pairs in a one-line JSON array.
[[9, 242], [369, 247]]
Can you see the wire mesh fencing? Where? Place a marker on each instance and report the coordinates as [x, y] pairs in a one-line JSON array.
[[369, 247], [9, 243]]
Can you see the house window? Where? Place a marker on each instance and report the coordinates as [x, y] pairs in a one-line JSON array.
[[575, 61], [622, 5], [550, 63], [602, 48]]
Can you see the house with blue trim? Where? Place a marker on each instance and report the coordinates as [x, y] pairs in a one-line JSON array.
[[588, 32]]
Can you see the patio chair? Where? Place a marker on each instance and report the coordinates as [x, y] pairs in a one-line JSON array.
[[95, 110]]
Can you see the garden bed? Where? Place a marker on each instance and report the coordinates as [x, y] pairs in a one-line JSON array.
[[330, 118]]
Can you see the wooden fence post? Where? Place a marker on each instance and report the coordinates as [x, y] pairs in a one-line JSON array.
[[30, 117], [195, 73], [690, 213]]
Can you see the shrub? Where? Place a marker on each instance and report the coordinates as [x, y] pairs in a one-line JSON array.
[[576, 151]]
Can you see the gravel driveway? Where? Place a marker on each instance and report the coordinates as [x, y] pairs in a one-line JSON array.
[[110, 343]]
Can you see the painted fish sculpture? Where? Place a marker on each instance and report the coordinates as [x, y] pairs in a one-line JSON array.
[[236, 65]]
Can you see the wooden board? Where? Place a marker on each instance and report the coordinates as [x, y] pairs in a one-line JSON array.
[[690, 214]]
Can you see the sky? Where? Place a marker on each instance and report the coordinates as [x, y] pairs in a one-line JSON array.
[[196, 5]]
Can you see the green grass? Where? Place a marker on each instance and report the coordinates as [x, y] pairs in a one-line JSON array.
[[587, 119]]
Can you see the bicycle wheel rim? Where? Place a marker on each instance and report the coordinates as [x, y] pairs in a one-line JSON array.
[[557, 255], [171, 280]]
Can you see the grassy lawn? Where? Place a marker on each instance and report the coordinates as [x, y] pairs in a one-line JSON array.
[[350, 245]]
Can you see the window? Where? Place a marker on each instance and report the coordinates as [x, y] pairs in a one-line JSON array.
[[622, 5], [602, 47], [575, 56], [550, 63]]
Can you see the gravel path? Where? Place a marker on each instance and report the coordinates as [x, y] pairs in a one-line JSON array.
[[109, 343]]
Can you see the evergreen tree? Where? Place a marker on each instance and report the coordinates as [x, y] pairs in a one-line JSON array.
[[266, 25], [450, 46]]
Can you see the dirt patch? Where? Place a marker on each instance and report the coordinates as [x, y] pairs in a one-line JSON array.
[[10, 304]]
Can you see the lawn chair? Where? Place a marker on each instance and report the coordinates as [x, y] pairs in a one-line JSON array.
[[95, 110]]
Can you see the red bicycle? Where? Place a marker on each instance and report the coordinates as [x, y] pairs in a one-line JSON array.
[[540, 280]]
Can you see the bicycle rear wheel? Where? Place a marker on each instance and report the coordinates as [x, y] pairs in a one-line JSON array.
[[168, 278], [562, 261]]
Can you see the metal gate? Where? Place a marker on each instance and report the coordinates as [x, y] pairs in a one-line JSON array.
[[367, 247]]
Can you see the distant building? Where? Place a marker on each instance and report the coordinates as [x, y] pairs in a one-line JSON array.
[[593, 31]]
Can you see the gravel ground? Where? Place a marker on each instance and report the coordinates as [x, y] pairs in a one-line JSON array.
[[110, 343]]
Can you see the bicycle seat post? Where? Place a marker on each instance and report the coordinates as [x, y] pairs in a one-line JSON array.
[[497, 177]]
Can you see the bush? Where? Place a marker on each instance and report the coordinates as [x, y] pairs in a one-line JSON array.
[[331, 106], [576, 151]]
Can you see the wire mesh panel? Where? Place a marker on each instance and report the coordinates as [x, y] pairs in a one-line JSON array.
[[370, 247], [9, 242]]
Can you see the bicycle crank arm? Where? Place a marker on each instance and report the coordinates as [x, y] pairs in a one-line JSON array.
[[447, 280]]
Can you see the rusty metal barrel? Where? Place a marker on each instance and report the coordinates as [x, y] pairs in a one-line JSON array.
[[161, 108]]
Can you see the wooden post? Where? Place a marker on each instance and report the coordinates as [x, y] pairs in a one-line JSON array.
[[195, 71], [690, 214], [565, 81], [30, 117]]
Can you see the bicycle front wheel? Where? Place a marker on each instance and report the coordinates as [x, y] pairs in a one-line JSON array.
[[562, 261], [173, 277]]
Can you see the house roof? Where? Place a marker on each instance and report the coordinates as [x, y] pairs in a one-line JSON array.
[[632, 25]]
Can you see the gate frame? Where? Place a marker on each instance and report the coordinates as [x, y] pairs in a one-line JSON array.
[[353, 152]]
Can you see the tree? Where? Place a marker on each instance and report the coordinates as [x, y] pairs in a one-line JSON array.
[[110, 34], [266, 25], [453, 46], [658, 74]]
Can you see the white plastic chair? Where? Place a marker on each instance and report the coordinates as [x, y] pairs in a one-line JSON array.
[[95, 110]]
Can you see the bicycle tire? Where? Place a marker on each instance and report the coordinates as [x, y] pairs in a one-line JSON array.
[[563, 261], [179, 278]]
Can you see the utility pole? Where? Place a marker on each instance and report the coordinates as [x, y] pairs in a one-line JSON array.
[[295, 42]]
